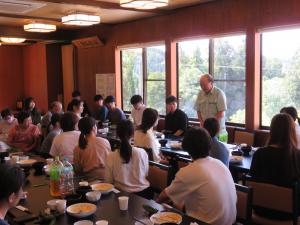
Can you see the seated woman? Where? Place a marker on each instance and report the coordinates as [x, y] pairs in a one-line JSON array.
[[292, 111], [25, 136], [56, 130], [127, 167], [11, 181], [144, 136], [6, 123], [91, 153], [279, 162], [29, 106], [218, 149], [77, 106]]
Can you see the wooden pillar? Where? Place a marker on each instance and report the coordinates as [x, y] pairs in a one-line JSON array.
[[118, 79], [171, 68], [253, 80]]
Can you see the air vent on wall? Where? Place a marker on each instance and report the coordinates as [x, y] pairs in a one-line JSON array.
[[90, 42], [18, 6]]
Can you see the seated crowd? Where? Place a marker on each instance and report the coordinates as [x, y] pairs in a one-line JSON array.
[[204, 189]]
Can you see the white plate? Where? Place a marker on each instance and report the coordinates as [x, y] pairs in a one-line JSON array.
[[84, 222], [144, 221], [104, 188], [236, 159], [166, 217], [26, 162], [81, 210], [175, 144]]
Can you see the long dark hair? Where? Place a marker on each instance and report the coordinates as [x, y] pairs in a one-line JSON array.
[[125, 131], [148, 120], [292, 111], [85, 126], [283, 134]]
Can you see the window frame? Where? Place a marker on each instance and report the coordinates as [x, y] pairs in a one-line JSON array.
[[211, 45], [145, 72]]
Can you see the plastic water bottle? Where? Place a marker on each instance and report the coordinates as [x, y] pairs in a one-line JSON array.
[[56, 168], [223, 136], [66, 180]]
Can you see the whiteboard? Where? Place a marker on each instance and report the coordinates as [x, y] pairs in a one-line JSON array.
[[106, 84]]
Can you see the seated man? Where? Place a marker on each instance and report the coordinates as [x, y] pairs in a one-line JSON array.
[[56, 130], [77, 95], [218, 149], [115, 115], [11, 181], [6, 123], [55, 107], [176, 120], [205, 187], [64, 144], [25, 135], [101, 111], [138, 109]]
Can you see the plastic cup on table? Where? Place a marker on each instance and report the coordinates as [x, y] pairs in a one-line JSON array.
[[123, 202]]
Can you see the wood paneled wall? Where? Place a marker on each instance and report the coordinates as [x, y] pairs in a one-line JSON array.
[[35, 74], [222, 17], [11, 76]]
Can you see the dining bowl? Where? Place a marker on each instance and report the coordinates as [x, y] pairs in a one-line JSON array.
[[52, 204], [163, 142], [246, 149], [38, 167], [81, 210], [84, 222], [82, 190], [93, 196], [73, 198]]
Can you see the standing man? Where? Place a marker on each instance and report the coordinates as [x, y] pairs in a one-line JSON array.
[[211, 102]]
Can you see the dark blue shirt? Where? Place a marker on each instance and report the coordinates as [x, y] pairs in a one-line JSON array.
[[100, 113], [3, 222], [219, 151]]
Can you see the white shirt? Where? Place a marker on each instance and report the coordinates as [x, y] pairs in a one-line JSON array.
[[297, 127], [207, 190], [137, 115], [91, 160], [129, 177], [64, 144], [147, 140]]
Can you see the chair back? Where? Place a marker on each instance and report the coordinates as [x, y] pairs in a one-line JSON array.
[[243, 137], [270, 196], [244, 204], [158, 176], [183, 162]]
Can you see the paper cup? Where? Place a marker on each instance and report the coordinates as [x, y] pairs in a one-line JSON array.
[[61, 206], [123, 202]]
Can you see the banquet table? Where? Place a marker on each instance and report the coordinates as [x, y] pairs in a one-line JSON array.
[[107, 207]]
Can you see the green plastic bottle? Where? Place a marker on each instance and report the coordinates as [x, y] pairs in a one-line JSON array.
[[56, 168]]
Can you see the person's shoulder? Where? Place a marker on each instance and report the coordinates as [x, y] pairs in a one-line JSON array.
[[101, 140], [138, 151]]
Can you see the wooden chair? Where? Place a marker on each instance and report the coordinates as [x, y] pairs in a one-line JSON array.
[[159, 176], [243, 137], [244, 204], [183, 162], [274, 197]]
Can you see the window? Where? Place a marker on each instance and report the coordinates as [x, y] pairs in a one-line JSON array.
[[192, 61], [280, 72], [229, 74], [144, 73], [224, 58]]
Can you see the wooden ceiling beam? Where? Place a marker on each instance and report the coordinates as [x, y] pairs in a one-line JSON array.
[[35, 18], [101, 4], [59, 35]]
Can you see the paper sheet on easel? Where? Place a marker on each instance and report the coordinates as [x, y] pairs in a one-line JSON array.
[[105, 84]]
